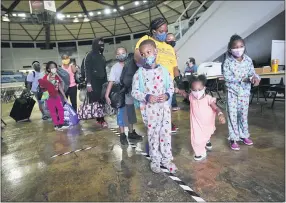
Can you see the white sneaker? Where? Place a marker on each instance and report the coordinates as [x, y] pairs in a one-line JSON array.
[[209, 145], [199, 158]]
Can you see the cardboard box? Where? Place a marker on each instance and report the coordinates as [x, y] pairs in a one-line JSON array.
[[265, 69]]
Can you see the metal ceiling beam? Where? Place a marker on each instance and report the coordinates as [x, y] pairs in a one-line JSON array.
[[138, 21], [203, 5], [104, 27], [127, 24], [13, 5], [39, 33], [114, 26], [92, 29], [162, 14], [101, 2], [79, 30], [69, 31], [3, 8], [174, 10], [149, 15], [26, 31], [184, 3], [64, 5], [55, 32], [118, 10], [83, 7]]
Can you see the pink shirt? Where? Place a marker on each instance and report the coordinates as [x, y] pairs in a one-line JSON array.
[[72, 80]]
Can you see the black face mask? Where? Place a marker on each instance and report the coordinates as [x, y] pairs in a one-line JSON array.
[[172, 43], [101, 48]]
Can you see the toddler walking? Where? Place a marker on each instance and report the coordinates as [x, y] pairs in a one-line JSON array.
[[203, 111], [239, 73], [157, 88]]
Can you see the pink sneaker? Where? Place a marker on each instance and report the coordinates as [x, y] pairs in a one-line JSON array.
[[247, 141], [234, 146]]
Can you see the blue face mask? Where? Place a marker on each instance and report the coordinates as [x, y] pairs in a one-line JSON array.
[[121, 57], [149, 61], [161, 37]]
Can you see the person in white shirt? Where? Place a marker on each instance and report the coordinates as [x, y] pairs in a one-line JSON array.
[[32, 84]]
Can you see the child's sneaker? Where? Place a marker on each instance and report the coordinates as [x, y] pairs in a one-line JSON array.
[[209, 145], [201, 157], [64, 126], [174, 128], [155, 167], [56, 127], [171, 167], [134, 136], [234, 146], [247, 141], [123, 139]]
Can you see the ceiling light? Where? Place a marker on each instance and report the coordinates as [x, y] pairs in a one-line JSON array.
[[75, 20], [121, 7], [144, 1], [14, 14], [85, 20], [6, 19], [136, 3], [74, 16], [6, 15], [22, 15], [91, 13], [68, 16], [107, 11], [79, 15], [98, 12], [114, 10], [60, 16]]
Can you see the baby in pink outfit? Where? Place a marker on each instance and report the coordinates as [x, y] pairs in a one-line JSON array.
[[203, 110]]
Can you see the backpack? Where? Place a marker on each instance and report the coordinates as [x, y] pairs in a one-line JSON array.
[[141, 83], [26, 82], [128, 72], [64, 75]]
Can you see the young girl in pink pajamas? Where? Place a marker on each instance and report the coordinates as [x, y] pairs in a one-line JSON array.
[[203, 110], [154, 106]]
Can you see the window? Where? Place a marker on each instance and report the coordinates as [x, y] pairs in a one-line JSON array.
[[123, 38], [139, 35], [82, 43], [23, 45], [43, 45], [108, 40], [5, 45], [66, 44]]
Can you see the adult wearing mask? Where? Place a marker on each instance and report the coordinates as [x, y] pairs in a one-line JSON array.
[[191, 66], [32, 84], [166, 55], [171, 40], [72, 90], [96, 76], [126, 115]]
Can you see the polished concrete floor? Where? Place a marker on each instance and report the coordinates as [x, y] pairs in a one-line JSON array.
[[110, 172]]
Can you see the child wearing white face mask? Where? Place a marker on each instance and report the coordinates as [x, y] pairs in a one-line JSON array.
[[239, 73], [203, 110]]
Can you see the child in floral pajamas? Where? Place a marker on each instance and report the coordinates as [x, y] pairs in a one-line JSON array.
[[238, 73], [154, 106]]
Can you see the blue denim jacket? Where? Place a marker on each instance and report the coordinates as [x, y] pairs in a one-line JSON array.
[[235, 71]]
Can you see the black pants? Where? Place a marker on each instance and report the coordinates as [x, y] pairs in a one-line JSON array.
[[72, 93], [174, 101]]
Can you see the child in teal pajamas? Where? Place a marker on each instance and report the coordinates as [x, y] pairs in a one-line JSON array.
[[154, 106], [238, 73]]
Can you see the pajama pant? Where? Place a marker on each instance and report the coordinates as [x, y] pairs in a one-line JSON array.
[[56, 109], [159, 132], [237, 110]]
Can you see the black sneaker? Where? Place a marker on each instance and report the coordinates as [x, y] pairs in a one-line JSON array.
[[123, 139], [64, 126], [209, 145], [134, 135], [45, 118]]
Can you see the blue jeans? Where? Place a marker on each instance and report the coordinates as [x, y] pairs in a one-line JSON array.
[[174, 101]]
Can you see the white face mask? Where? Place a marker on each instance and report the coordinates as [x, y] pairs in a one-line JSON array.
[[53, 70], [237, 52], [198, 94]]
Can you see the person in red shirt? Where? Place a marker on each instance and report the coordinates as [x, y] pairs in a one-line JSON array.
[[52, 83]]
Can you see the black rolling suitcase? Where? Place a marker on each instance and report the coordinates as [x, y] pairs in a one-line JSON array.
[[22, 108]]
